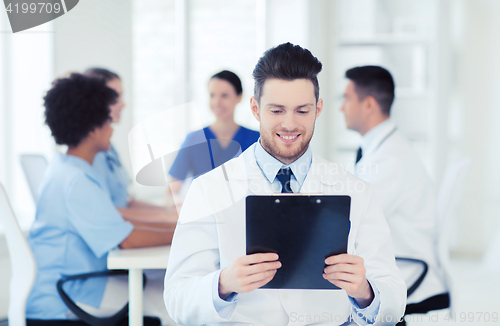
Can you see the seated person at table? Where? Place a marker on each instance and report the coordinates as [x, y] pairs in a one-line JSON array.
[[76, 222], [108, 164], [196, 159]]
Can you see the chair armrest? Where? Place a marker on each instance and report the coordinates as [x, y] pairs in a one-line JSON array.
[[420, 279], [79, 312]]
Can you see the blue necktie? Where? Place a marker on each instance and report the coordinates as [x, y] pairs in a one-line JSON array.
[[359, 155], [284, 176]]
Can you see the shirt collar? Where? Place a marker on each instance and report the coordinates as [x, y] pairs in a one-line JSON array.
[[371, 140], [270, 166], [81, 164]]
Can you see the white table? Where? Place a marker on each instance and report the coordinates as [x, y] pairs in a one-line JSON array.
[[136, 260]]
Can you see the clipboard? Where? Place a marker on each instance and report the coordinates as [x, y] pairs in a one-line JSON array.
[[303, 230]]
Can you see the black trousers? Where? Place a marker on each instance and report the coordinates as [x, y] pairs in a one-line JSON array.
[[437, 302]]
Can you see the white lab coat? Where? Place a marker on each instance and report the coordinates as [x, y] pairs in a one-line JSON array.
[[210, 235], [408, 202]]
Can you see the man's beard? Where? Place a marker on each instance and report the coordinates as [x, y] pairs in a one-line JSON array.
[[285, 156]]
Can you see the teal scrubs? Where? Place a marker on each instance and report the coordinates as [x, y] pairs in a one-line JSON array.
[[76, 225], [116, 179]]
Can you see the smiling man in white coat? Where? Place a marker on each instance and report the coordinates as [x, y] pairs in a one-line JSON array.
[[211, 280], [387, 161]]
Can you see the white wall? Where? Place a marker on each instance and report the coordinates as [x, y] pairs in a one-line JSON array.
[[287, 21], [310, 25], [477, 74], [322, 36]]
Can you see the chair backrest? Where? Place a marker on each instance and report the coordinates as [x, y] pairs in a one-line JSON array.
[[22, 262], [34, 167], [450, 192]]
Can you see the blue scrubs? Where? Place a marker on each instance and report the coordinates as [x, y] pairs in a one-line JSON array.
[[201, 152], [110, 168], [76, 226]]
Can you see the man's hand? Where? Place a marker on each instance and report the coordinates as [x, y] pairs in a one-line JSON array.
[[248, 273], [348, 273]]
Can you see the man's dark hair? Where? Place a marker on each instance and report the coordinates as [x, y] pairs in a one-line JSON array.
[[231, 78], [75, 106], [373, 81], [287, 62], [101, 73]]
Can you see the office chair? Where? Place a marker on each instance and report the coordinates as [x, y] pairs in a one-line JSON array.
[[24, 272], [449, 195], [34, 167]]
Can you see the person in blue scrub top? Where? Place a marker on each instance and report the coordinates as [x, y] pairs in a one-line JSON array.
[[108, 162], [110, 168], [76, 222], [225, 138]]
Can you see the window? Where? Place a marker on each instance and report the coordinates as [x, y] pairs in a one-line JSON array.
[[222, 35], [26, 74], [177, 47]]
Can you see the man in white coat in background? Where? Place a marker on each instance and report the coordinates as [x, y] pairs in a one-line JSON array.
[[211, 280], [386, 160]]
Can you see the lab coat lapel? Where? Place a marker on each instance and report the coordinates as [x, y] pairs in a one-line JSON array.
[[244, 171], [318, 178], [245, 178]]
